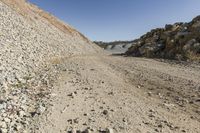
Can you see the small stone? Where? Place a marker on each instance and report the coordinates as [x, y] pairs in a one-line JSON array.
[[138, 86], [151, 115], [11, 116], [74, 131], [151, 110], [78, 131], [191, 102], [85, 114], [72, 95], [124, 120], [160, 126], [4, 130], [86, 88], [76, 121], [183, 131], [4, 114], [87, 131], [110, 93], [64, 70], [109, 130], [18, 127], [105, 112], [3, 125], [198, 100], [70, 121], [21, 113], [41, 109], [1, 106], [33, 114], [149, 93], [7, 120], [84, 124]]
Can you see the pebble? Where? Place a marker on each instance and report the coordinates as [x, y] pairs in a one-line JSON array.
[[1, 106], [149, 93], [3, 125], [88, 131], [18, 127], [85, 114], [4, 130], [21, 113], [156, 130], [4, 114], [41, 109], [138, 86], [76, 120], [72, 95], [160, 126], [105, 112], [7, 120], [74, 131], [109, 130], [183, 131]]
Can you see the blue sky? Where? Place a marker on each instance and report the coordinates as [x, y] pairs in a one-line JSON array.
[[109, 20]]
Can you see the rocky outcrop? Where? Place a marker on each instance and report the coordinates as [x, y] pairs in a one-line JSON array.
[[32, 45], [178, 41]]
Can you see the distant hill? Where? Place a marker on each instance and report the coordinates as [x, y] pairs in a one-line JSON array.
[[116, 47], [178, 41]]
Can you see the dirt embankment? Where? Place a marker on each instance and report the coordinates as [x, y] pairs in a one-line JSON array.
[[32, 44]]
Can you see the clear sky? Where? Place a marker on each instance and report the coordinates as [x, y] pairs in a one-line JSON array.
[[109, 20]]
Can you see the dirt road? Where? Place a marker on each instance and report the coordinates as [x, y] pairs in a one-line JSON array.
[[124, 95]]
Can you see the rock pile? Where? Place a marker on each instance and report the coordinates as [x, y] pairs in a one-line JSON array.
[[178, 41], [32, 47]]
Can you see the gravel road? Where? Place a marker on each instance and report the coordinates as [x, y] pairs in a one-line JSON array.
[[98, 93]]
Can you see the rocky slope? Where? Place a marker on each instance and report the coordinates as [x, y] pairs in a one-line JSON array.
[[32, 43], [178, 41], [116, 47]]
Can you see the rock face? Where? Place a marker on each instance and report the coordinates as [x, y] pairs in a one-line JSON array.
[[178, 41], [32, 44]]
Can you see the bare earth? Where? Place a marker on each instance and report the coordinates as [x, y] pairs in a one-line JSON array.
[[94, 92], [124, 95]]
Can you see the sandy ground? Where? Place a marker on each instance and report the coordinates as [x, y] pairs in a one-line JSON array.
[[124, 95]]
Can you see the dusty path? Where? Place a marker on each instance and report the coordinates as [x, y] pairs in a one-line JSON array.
[[128, 95]]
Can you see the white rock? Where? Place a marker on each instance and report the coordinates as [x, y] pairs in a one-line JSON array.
[[4, 130], [7, 120], [3, 125], [21, 113], [41, 109], [109, 130], [73, 130]]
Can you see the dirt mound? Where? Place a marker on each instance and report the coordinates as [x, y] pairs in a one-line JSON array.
[[178, 41]]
